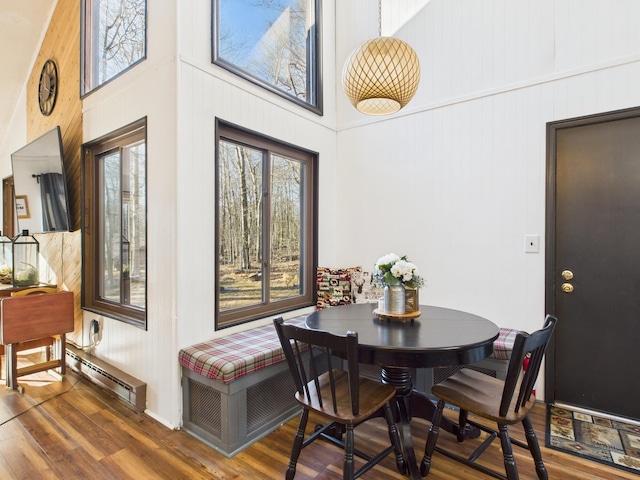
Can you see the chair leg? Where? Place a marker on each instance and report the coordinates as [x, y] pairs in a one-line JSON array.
[[507, 451], [534, 448], [401, 463], [348, 470], [462, 421], [432, 438], [297, 445]]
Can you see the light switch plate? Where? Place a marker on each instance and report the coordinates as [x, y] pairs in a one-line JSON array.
[[532, 243]]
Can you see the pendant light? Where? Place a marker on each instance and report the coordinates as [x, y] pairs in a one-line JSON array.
[[382, 74]]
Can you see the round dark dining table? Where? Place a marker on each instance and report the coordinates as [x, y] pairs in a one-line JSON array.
[[438, 337]]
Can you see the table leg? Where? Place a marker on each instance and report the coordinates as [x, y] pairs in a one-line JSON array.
[[401, 379], [411, 403]]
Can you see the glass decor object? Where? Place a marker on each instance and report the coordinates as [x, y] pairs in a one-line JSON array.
[[25, 253], [5, 258]]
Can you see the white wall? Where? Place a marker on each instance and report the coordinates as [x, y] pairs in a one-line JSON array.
[[208, 92], [149, 90], [15, 136], [457, 179], [182, 93]]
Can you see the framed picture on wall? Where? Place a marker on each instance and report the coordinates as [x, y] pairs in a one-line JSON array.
[[22, 206]]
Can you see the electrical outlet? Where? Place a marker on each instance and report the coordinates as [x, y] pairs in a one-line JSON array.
[[95, 326], [532, 243]]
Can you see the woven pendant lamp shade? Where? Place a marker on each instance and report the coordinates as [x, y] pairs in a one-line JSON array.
[[381, 76]]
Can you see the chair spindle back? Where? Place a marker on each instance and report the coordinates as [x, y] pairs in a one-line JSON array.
[[324, 348], [524, 365]]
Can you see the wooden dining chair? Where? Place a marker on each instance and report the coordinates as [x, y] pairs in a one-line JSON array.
[[343, 397], [504, 402]]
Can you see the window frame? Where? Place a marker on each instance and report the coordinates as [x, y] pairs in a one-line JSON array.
[[87, 83], [91, 239], [309, 243], [315, 77]]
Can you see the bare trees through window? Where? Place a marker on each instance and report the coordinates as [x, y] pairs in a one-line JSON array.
[[114, 39], [265, 225], [123, 198], [115, 234]]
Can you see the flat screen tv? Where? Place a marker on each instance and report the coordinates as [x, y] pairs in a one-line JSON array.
[[40, 186]]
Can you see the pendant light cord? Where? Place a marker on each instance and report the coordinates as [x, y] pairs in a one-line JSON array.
[[379, 18]]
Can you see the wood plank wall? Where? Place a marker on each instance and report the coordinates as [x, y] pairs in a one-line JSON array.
[[61, 251]]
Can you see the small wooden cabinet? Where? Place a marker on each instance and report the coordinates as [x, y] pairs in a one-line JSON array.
[[34, 319]]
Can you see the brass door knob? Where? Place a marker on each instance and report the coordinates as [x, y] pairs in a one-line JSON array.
[[567, 288], [567, 274]]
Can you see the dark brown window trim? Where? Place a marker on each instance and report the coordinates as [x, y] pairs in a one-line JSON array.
[[315, 77], [86, 85], [236, 134], [90, 296]]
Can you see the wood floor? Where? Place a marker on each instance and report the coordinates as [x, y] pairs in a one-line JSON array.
[[70, 429]]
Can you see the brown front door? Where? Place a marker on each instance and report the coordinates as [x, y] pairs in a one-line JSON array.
[[593, 262]]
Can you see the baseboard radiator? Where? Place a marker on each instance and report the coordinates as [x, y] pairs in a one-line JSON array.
[[130, 389]]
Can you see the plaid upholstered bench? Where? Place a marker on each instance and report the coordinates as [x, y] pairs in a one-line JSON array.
[[495, 365], [503, 345], [498, 361], [236, 389]]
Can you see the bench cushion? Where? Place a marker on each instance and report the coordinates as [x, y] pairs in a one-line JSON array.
[[228, 358], [503, 345]]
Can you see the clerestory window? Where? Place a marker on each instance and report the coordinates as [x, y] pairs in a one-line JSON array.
[[273, 43], [113, 39]]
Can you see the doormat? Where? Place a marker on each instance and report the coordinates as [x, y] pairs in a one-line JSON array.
[[594, 438]]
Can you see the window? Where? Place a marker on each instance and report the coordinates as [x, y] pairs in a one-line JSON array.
[[113, 39], [273, 43], [115, 232], [266, 226]]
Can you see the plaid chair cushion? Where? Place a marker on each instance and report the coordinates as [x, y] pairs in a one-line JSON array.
[[228, 358], [503, 346]]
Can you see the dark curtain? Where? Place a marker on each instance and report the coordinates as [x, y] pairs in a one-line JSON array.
[[54, 203]]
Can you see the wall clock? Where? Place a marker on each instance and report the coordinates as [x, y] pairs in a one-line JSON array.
[[48, 87]]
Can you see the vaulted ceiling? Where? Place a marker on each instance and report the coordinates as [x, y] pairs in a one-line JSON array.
[[22, 27]]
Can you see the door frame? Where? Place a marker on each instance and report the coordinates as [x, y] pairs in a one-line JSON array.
[[8, 207], [551, 287]]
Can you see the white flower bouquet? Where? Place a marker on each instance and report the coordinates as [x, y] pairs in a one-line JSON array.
[[392, 269]]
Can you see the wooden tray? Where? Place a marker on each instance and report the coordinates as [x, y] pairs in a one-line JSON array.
[[397, 316]]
